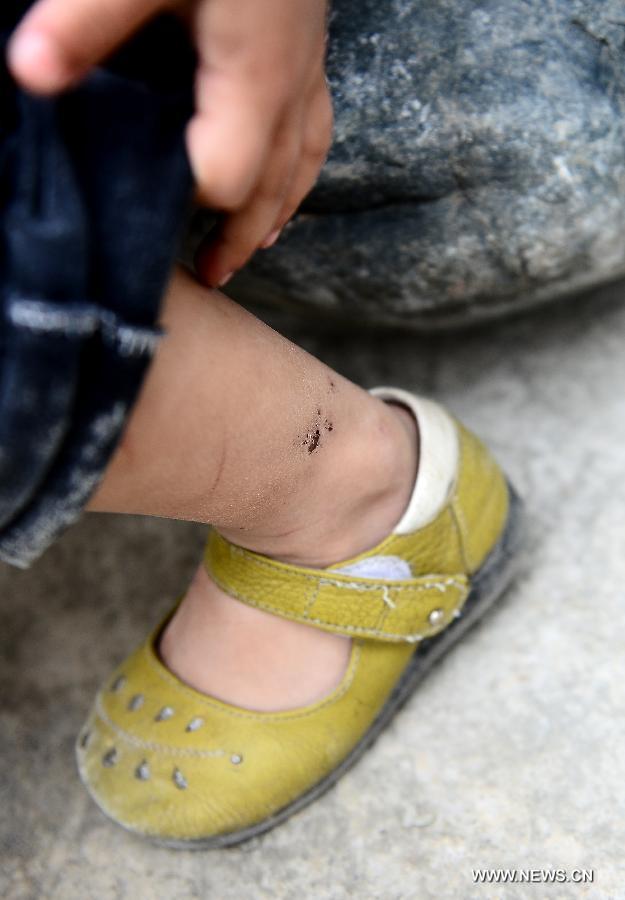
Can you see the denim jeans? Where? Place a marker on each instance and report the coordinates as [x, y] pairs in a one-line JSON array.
[[94, 187]]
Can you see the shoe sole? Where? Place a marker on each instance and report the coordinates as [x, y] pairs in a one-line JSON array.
[[488, 584]]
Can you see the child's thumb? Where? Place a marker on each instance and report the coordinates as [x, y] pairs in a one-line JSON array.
[[58, 41]]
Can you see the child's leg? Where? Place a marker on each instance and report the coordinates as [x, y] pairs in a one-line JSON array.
[[238, 427]]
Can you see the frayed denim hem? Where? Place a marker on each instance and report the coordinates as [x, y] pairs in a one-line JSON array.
[[94, 187]]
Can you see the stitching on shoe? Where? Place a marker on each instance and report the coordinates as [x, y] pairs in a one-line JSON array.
[[152, 745], [461, 529], [311, 600], [240, 713]]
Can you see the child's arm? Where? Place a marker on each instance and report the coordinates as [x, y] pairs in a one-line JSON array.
[[263, 117]]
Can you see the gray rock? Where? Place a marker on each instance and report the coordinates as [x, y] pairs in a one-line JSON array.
[[478, 165]]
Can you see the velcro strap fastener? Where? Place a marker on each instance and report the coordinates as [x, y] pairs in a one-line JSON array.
[[407, 610]]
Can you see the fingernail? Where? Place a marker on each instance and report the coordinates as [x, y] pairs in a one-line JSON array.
[[271, 238], [34, 57], [224, 281]]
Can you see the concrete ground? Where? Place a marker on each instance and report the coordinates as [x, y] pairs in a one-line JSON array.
[[511, 753]]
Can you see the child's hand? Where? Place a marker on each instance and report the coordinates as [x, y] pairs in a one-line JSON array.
[[263, 117]]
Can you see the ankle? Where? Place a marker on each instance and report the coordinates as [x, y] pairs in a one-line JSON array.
[[249, 657], [357, 496]]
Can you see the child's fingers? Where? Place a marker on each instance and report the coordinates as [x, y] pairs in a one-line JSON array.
[[316, 144], [257, 61], [243, 231], [229, 139], [293, 165], [239, 237], [59, 40], [259, 68]]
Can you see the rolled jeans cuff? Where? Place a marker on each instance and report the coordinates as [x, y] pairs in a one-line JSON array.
[[94, 187]]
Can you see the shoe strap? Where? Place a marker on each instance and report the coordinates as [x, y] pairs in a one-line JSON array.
[[386, 610]]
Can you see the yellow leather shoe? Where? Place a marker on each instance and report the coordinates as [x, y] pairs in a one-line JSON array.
[[188, 770]]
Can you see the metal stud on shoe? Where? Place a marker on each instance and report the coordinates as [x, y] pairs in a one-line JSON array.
[[136, 702], [195, 723], [165, 713], [110, 758], [436, 617], [142, 772], [179, 780]]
